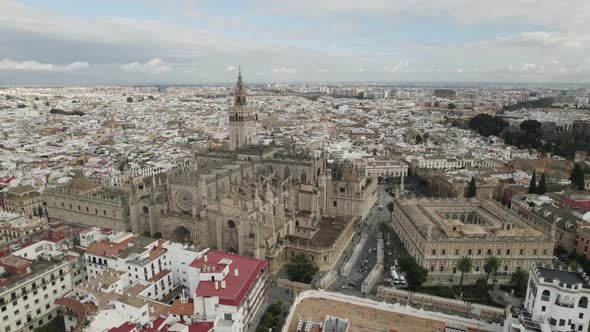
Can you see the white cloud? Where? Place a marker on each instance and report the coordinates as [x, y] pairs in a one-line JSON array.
[[77, 65], [154, 66], [8, 64], [283, 70], [32, 65], [360, 70], [399, 66], [230, 68]]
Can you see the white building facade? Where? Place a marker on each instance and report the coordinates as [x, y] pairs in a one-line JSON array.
[[559, 297]]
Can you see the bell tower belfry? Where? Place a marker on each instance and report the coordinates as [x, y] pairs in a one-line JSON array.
[[241, 119]]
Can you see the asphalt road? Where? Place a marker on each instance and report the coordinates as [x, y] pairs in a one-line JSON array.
[[372, 229]]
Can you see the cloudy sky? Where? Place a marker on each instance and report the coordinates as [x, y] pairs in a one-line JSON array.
[[200, 41]]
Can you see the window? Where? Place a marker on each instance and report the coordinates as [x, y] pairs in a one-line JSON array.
[[479, 251], [433, 252], [521, 252], [581, 315], [507, 252], [489, 251], [456, 252], [583, 302], [544, 252], [444, 252], [432, 268], [469, 252], [227, 316], [535, 252], [561, 322], [543, 308], [545, 295], [499, 252], [335, 203]]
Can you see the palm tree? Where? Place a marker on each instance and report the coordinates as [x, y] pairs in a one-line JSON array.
[[491, 266], [465, 265]]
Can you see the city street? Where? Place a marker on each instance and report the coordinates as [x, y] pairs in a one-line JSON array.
[[351, 285]]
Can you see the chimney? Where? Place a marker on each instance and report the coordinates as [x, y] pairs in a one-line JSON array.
[[205, 257], [216, 285], [223, 284], [236, 272]]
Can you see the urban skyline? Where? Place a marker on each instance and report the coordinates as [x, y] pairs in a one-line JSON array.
[[191, 42]]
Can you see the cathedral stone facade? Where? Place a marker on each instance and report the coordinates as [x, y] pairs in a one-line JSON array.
[[268, 202]]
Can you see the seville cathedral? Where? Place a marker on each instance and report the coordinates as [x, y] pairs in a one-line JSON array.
[[268, 202]]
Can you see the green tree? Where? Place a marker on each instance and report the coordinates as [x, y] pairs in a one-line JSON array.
[[270, 318], [384, 228], [451, 106], [533, 184], [577, 177], [416, 275], [542, 187], [472, 189], [301, 269], [487, 125], [129, 99], [491, 266], [531, 126], [520, 279], [390, 206], [464, 266]]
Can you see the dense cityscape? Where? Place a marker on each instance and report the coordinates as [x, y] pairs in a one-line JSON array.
[[339, 206]]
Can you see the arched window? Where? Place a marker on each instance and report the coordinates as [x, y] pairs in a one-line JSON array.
[[145, 209], [231, 224], [545, 295], [583, 303]]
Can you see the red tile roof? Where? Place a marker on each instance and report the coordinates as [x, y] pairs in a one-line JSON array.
[[236, 287], [156, 326], [126, 327], [201, 327], [582, 205]]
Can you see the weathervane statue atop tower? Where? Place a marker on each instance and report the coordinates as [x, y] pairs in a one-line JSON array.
[[241, 118]]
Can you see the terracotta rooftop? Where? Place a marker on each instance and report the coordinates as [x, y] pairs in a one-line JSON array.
[[21, 189], [179, 308], [108, 249]]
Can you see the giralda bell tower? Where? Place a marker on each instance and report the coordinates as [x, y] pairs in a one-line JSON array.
[[241, 119]]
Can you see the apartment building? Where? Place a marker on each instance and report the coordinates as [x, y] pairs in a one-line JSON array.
[[31, 280], [558, 296]]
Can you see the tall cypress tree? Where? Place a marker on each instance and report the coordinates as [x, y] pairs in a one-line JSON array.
[[472, 190], [577, 177], [542, 188], [533, 185]]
